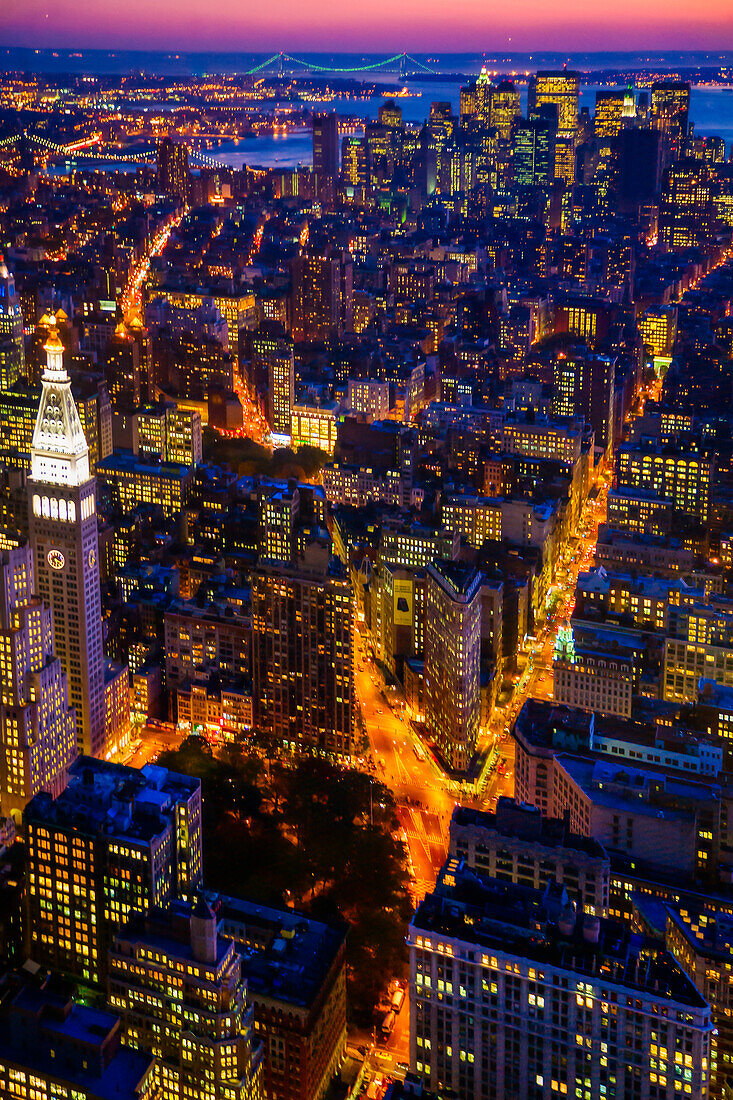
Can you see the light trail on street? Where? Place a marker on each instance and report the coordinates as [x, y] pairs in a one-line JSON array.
[[131, 296]]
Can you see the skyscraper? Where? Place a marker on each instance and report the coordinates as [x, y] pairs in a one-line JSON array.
[[302, 656], [561, 87], [12, 351], [671, 106], [612, 108], [122, 369], [685, 212], [37, 725], [281, 386], [325, 146], [534, 150], [172, 163], [355, 161], [452, 654], [321, 296], [63, 534], [505, 107], [584, 387]]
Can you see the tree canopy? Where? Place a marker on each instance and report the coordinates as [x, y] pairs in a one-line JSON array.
[[311, 835]]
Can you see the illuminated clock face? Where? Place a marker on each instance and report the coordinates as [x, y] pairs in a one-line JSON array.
[[56, 559], [92, 559]]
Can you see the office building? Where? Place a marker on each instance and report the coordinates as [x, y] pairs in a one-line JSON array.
[[325, 147], [613, 107], [514, 992], [281, 387], [645, 794], [545, 438], [602, 676], [583, 387], [302, 655], [680, 477], [314, 425], [278, 514], [355, 162], [701, 939], [132, 481], [321, 296], [206, 637], [505, 108], [37, 725], [671, 107], [368, 396], [173, 176], [12, 347], [685, 213], [116, 840], [169, 433], [699, 645], [183, 443], [55, 1048], [560, 88], [534, 151], [452, 650], [63, 534], [179, 989], [295, 969], [658, 330], [122, 369], [397, 614]]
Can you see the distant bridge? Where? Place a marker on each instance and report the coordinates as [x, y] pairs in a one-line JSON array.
[[93, 148], [403, 62]]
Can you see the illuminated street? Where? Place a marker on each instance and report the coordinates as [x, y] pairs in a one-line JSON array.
[[131, 296]]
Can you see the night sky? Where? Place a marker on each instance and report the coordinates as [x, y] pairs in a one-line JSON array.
[[416, 25]]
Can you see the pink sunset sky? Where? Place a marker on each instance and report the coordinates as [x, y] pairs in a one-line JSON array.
[[375, 25]]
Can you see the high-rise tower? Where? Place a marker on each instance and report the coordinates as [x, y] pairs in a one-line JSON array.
[[37, 726], [63, 534], [12, 352]]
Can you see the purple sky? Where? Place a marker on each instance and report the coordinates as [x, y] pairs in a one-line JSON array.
[[382, 25]]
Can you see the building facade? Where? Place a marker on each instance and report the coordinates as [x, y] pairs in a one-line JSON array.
[[514, 992], [37, 724], [452, 649], [179, 989], [63, 534], [302, 658], [116, 840]]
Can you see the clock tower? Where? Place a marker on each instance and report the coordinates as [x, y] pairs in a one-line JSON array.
[[63, 534]]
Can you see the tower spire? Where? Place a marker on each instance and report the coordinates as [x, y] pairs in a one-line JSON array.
[[59, 451]]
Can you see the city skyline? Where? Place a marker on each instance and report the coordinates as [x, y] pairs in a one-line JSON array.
[[366, 562]]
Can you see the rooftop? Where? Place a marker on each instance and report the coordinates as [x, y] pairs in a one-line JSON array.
[[127, 462], [545, 928], [286, 955], [516, 819], [114, 800], [48, 1034]]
